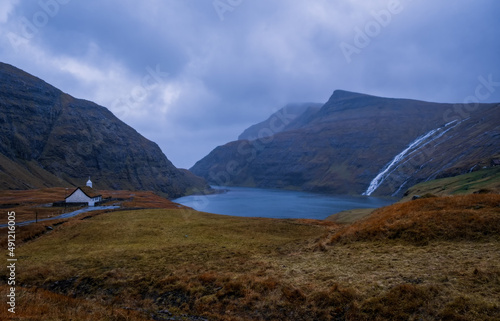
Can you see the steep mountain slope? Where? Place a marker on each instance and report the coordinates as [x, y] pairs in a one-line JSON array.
[[354, 139], [48, 138], [288, 117]]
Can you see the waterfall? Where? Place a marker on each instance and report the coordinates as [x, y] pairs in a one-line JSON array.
[[412, 148]]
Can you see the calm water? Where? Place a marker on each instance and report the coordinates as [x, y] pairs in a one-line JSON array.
[[256, 202]]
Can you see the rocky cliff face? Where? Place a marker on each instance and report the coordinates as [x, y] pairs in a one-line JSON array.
[[288, 117], [353, 138], [48, 138]]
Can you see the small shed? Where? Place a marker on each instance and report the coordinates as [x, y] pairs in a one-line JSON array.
[[84, 194]]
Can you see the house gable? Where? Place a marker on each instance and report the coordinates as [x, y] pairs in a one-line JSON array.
[[84, 195], [78, 196]]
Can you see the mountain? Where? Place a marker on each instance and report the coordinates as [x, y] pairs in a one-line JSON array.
[[361, 144], [284, 119], [48, 138]]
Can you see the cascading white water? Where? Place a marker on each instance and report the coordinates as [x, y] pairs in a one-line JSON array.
[[413, 147]]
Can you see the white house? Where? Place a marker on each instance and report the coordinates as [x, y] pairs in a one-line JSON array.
[[84, 195]]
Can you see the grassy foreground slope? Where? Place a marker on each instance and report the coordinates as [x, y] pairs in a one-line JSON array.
[[179, 264]]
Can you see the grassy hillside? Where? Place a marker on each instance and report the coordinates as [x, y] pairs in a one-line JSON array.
[[469, 217], [180, 264], [485, 180], [26, 175]]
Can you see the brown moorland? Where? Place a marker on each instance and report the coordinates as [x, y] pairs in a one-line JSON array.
[[40, 304], [29, 204], [467, 217], [180, 264]]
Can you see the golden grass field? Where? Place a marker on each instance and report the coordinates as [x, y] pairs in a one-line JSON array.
[[429, 259]]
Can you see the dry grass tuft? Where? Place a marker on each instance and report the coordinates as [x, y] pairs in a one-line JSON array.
[[464, 308], [402, 302], [27, 233], [38, 304]]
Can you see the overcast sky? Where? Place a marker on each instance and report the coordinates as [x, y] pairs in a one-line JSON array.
[[193, 74]]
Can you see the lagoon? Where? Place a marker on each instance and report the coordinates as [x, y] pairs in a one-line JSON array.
[[273, 203]]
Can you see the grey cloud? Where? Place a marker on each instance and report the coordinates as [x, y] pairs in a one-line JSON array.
[[231, 73]]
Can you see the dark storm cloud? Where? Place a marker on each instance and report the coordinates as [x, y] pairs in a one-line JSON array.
[[191, 75]]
